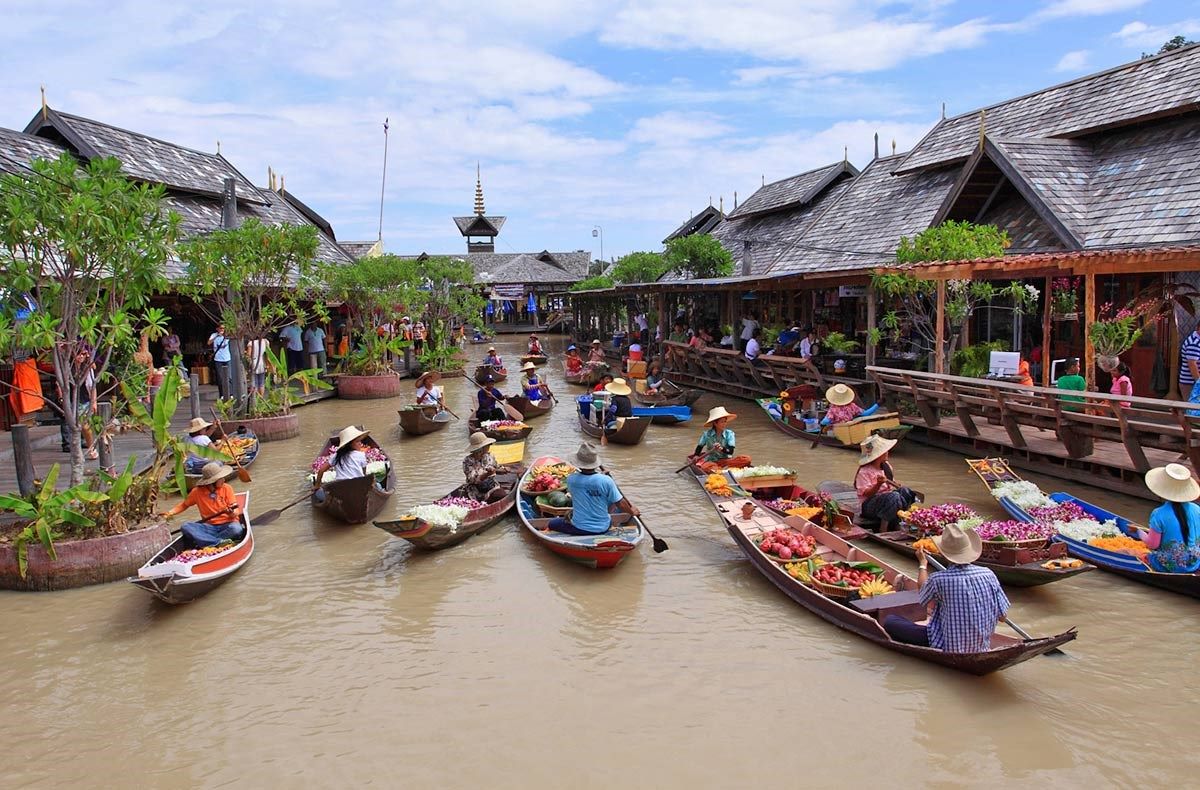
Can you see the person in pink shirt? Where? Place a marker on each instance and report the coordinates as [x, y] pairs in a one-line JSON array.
[[881, 497], [1121, 384], [842, 407]]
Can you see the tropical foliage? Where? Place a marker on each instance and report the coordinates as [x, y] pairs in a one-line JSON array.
[[699, 256]]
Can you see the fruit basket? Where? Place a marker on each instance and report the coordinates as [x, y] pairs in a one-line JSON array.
[[550, 511], [857, 573], [786, 545]]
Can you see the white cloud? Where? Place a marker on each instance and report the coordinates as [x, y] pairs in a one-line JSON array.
[[1142, 36], [1074, 61], [1069, 8], [671, 128]]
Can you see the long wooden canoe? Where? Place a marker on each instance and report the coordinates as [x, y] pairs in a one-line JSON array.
[[483, 371], [474, 424], [420, 420], [844, 525], [887, 428], [424, 535], [629, 431], [605, 550], [865, 618], [588, 376], [675, 397], [1030, 574], [664, 415], [537, 359], [359, 499], [182, 582], [528, 408], [246, 458]]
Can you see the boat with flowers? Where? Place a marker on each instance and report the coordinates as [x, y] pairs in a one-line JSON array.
[[605, 550], [181, 574], [669, 395], [756, 532], [1089, 532], [456, 516], [359, 499]]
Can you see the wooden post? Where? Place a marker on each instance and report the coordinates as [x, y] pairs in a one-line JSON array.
[[194, 395], [23, 456], [1089, 317], [939, 334], [660, 302], [870, 324], [408, 359], [1047, 327], [106, 450]]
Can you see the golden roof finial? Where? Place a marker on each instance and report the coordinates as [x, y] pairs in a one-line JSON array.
[[893, 146], [479, 210], [45, 108], [218, 147]]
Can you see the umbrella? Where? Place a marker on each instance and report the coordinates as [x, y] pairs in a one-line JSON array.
[[491, 309], [532, 308]]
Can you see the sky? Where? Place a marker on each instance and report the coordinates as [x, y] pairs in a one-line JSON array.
[[628, 116]]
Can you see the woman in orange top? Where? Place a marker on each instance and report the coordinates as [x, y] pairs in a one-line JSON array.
[[219, 512], [1026, 379]]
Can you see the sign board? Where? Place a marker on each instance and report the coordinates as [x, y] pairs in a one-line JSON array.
[[508, 291], [851, 291]]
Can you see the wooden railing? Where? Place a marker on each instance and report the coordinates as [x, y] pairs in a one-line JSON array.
[[724, 370], [1144, 423]]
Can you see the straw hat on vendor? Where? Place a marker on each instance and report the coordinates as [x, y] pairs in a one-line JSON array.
[[427, 378], [585, 457], [213, 473], [618, 387], [959, 546], [479, 441], [719, 413], [839, 395], [528, 366], [198, 425], [1173, 483], [875, 447]]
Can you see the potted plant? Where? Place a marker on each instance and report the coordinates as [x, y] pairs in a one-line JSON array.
[[1114, 332], [448, 295], [1064, 298], [836, 347]]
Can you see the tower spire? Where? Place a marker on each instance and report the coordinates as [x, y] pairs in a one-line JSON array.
[[479, 211]]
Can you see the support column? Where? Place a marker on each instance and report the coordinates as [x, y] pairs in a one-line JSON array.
[[870, 347], [939, 334], [23, 456], [194, 394], [1047, 326], [1089, 317]]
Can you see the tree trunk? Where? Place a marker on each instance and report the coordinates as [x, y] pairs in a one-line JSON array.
[[77, 460]]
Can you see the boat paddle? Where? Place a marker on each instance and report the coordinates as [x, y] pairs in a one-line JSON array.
[[242, 474], [511, 411], [1020, 631], [273, 515], [660, 545]]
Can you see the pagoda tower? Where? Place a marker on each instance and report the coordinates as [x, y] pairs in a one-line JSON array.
[[479, 229]]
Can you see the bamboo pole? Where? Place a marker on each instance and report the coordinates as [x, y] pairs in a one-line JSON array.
[[1089, 317], [939, 343]]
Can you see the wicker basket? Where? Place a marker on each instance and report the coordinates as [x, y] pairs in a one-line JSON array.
[[833, 590], [550, 511], [527, 492]]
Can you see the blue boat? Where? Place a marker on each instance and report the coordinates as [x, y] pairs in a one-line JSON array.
[[1114, 561], [664, 415]]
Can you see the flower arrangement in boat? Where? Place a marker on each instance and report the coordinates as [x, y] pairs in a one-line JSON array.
[[1014, 531], [439, 515], [932, 520], [1022, 493], [761, 471], [504, 426], [1062, 511], [1085, 529], [1122, 544], [1175, 557], [208, 552], [460, 501]]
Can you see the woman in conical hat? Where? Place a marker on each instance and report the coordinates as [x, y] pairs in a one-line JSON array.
[[219, 512], [350, 460], [1177, 520], [717, 443], [882, 498], [480, 468]]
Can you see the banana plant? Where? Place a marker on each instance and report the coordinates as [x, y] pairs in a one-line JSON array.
[[46, 511]]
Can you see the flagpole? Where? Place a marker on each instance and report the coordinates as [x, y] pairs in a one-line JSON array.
[[383, 181]]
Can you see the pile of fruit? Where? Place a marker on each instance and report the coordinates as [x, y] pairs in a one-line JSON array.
[[1122, 544], [926, 544], [208, 552], [845, 574], [803, 571], [558, 499], [548, 477], [787, 544], [235, 446], [877, 586], [718, 485], [503, 426]]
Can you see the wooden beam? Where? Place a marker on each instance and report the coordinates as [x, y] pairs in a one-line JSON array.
[[1089, 317], [939, 343], [870, 297], [1047, 326]]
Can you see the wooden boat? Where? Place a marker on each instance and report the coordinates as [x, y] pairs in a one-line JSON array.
[[628, 431], [886, 425], [664, 415], [843, 525], [473, 425], [588, 376], [359, 499], [1029, 574], [676, 397], [483, 371], [1116, 562], [528, 409], [246, 458], [865, 617], [605, 550], [420, 420], [537, 359], [179, 582], [424, 535]]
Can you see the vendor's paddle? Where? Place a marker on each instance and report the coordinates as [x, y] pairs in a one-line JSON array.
[[511, 411], [242, 474], [660, 545], [1020, 631], [273, 515]]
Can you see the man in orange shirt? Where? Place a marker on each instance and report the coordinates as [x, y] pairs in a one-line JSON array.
[[220, 516]]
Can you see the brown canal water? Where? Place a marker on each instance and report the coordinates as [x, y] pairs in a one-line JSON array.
[[340, 657]]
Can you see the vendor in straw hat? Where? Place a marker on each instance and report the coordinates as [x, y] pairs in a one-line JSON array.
[[842, 407], [533, 387], [349, 461], [878, 492], [219, 511], [198, 437], [592, 497], [964, 602], [428, 393], [597, 352], [717, 443], [1177, 520], [480, 468], [619, 405], [535, 345], [493, 358]]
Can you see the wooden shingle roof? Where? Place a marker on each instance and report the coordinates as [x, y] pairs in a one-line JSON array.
[[479, 225], [699, 224], [793, 191]]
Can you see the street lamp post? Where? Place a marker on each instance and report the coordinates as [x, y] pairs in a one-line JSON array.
[[599, 231]]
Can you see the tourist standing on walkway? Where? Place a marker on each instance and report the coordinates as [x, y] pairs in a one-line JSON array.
[[220, 347], [1071, 380], [1121, 383], [293, 345], [749, 324], [1189, 363], [314, 344], [256, 352]]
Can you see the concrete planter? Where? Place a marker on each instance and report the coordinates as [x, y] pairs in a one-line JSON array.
[[269, 429], [83, 562], [368, 387]]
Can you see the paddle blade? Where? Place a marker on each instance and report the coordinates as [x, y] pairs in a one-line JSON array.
[[243, 475], [266, 518], [660, 546]]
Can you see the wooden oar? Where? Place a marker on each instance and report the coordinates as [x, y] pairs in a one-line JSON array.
[[452, 414], [242, 474], [511, 411], [272, 515], [1020, 631], [660, 545]]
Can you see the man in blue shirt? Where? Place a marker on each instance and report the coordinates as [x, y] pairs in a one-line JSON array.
[[314, 344], [964, 601], [294, 346], [220, 346], [592, 496]]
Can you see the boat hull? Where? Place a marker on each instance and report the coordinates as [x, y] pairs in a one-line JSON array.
[[528, 409], [825, 439], [483, 371], [681, 398], [432, 537], [417, 422], [474, 425], [1031, 574], [359, 499]]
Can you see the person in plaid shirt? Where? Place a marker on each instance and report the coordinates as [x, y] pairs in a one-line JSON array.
[[964, 601]]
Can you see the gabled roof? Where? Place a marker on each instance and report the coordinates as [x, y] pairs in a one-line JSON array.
[[309, 214], [477, 225], [142, 157], [1154, 87], [700, 224], [530, 268], [362, 249], [793, 191], [17, 150]]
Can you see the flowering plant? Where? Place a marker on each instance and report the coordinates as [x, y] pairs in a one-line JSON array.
[[1015, 531], [1063, 511], [460, 501], [931, 520], [1115, 331], [1084, 529], [439, 515], [1064, 294]]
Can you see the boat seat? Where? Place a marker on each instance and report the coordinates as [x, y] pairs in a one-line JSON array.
[[905, 603]]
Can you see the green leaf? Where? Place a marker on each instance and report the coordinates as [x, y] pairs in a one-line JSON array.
[[121, 484], [70, 516], [17, 505], [90, 497]]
